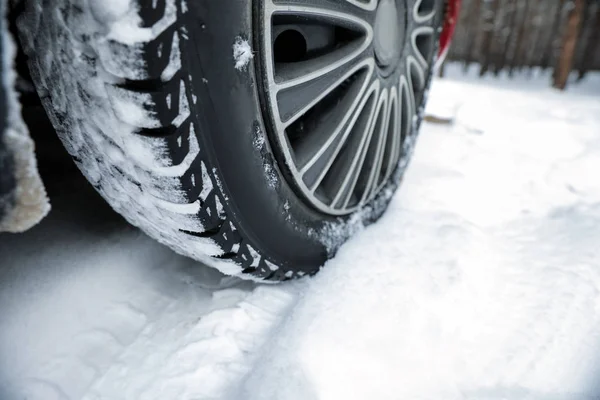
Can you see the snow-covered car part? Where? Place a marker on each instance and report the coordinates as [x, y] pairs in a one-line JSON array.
[[163, 106], [23, 200]]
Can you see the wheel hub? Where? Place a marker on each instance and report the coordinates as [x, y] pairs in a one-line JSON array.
[[390, 31], [342, 83]]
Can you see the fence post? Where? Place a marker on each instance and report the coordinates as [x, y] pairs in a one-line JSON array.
[[473, 19], [489, 31], [518, 59], [568, 45]]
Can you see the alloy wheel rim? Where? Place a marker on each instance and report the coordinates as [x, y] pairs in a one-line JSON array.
[[342, 97]]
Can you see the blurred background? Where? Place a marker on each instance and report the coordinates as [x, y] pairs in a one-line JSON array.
[[527, 36]]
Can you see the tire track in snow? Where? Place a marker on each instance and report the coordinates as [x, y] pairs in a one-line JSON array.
[[93, 309], [185, 355]]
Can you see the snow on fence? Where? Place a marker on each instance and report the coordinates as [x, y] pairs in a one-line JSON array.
[[517, 35]]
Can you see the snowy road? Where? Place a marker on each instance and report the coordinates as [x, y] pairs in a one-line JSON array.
[[481, 282]]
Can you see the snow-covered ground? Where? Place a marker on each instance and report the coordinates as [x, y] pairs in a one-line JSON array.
[[481, 282]]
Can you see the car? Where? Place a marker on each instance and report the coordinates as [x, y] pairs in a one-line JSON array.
[[255, 136]]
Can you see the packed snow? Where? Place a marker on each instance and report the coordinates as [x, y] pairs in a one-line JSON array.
[[242, 54], [482, 281], [27, 203]]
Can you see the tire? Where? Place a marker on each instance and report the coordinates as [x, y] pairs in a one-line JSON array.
[[167, 117]]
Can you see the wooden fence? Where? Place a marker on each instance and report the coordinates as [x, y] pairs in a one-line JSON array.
[[516, 35]]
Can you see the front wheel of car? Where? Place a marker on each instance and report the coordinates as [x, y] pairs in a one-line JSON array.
[[254, 136]]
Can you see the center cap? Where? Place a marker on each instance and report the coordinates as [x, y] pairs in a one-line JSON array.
[[389, 32]]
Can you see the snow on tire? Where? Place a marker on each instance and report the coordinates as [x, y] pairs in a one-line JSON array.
[[101, 96]]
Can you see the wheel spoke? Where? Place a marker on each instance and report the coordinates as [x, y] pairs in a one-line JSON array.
[[333, 44], [311, 136], [406, 107], [369, 5], [311, 12], [304, 85], [422, 41], [363, 168], [355, 7], [336, 179], [386, 145], [321, 160], [424, 11], [415, 76]]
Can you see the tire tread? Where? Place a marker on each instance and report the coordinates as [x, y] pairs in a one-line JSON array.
[[147, 77]]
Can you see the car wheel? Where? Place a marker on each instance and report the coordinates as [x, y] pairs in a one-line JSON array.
[[254, 136]]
